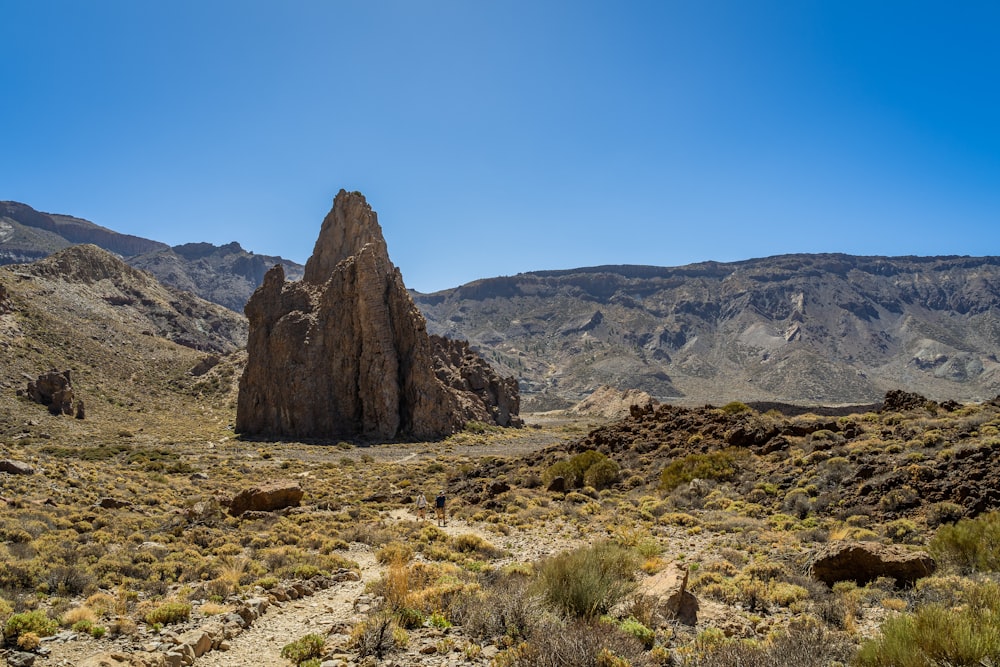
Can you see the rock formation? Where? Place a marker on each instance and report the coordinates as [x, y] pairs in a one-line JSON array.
[[345, 353], [53, 389], [267, 498], [863, 562], [484, 394]]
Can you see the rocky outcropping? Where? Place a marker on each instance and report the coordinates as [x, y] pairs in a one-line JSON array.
[[266, 498], [53, 389], [863, 562], [344, 353], [482, 391]]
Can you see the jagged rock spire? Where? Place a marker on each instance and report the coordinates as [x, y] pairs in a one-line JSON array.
[[345, 352]]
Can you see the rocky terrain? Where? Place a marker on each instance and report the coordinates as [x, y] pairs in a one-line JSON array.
[[807, 329], [148, 533], [344, 353], [814, 329], [226, 275]]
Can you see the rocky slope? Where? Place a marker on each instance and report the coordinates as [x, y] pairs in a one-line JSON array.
[[795, 328], [143, 357], [108, 287], [226, 275]]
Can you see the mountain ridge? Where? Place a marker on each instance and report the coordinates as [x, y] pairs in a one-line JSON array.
[[226, 275], [823, 328]]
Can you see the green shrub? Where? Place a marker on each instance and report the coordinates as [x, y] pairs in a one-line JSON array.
[[944, 512], [602, 474], [560, 469], [301, 650], [971, 545], [169, 612], [36, 621], [721, 466], [735, 407], [575, 469], [640, 631], [589, 581], [940, 635]]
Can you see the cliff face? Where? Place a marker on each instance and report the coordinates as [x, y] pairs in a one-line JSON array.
[[344, 352]]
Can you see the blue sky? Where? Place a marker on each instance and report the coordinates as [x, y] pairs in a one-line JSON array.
[[495, 137]]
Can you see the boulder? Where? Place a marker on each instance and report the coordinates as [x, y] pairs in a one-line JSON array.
[[12, 467], [267, 498], [344, 352], [863, 562], [54, 390], [109, 503], [669, 588]]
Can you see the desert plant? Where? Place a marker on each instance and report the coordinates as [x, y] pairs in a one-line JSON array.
[[970, 545], [720, 465], [168, 612], [940, 635], [602, 474], [303, 649], [503, 607], [589, 581], [375, 636], [35, 621]]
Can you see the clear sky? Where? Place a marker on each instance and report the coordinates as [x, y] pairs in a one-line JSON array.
[[499, 136]]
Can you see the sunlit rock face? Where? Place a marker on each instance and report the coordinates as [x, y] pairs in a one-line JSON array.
[[344, 353]]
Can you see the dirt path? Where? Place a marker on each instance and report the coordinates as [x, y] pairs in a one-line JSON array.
[[288, 621], [285, 622]]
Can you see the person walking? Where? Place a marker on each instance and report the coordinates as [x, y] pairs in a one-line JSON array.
[[421, 506], [439, 505]]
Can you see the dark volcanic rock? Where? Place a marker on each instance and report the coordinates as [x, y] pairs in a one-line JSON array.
[[345, 353], [481, 389], [53, 389]]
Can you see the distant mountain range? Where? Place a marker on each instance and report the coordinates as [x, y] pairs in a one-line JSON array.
[[794, 328], [226, 275], [814, 329]]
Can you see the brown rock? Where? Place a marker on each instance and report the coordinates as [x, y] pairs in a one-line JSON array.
[[669, 588], [267, 498], [345, 353], [483, 393], [54, 390], [863, 562], [13, 467]]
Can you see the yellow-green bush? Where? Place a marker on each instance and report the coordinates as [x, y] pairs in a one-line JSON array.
[[971, 545], [720, 465], [940, 635], [589, 581]]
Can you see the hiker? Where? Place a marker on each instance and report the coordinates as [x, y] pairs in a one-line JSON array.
[[421, 506], [439, 504]]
